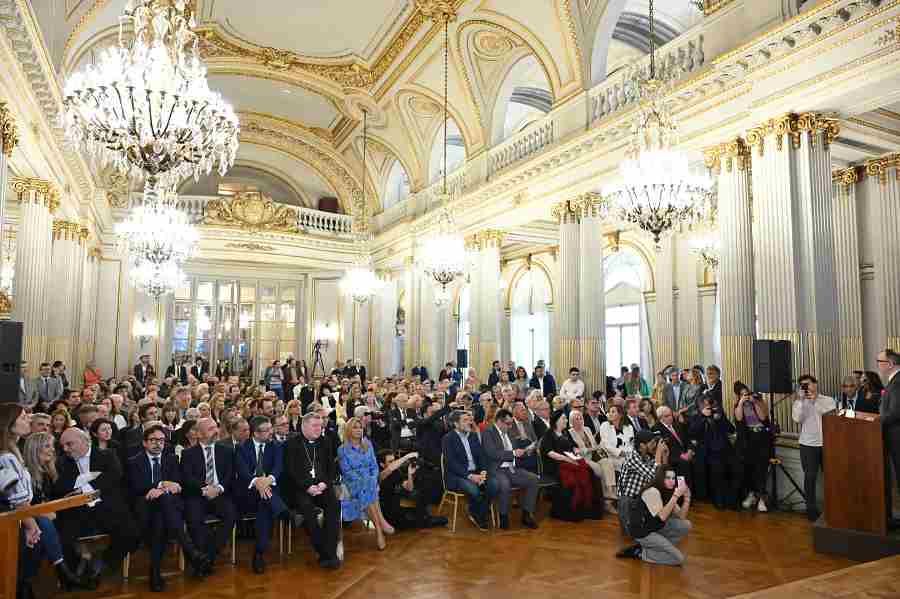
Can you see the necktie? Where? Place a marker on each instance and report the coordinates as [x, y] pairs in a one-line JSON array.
[[210, 467], [674, 434], [45, 386], [507, 445], [637, 423], [155, 474], [259, 460]]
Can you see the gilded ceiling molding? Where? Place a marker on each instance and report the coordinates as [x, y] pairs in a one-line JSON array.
[[45, 192], [878, 167], [83, 22], [728, 153], [848, 176], [251, 246], [714, 6], [565, 212], [323, 134], [573, 38], [251, 211], [438, 10], [812, 123], [9, 133]]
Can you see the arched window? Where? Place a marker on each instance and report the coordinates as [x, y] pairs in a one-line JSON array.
[[625, 277], [396, 189], [456, 151], [530, 319]]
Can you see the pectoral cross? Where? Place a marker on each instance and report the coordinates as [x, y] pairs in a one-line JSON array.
[[312, 472]]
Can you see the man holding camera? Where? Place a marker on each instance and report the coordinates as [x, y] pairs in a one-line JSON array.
[[807, 411], [400, 479], [638, 471]]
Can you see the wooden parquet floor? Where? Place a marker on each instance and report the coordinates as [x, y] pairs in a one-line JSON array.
[[728, 554]]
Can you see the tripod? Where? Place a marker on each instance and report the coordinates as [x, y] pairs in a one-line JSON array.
[[775, 465], [317, 357]]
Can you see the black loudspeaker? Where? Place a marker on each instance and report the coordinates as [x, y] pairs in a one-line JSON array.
[[10, 360], [462, 358], [772, 366]]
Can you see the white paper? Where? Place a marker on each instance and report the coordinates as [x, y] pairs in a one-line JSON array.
[[85, 479]]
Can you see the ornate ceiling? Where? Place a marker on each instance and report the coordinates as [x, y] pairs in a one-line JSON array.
[[300, 74]]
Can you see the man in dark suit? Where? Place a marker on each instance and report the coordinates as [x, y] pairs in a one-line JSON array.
[[494, 377], [675, 435], [632, 414], [312, 471], [543, 381], [465, 468], [674, 391], [304, 393], [524, 437], [888, 367], [541, 422], [238, 434], [853, 397], [207, 472], [500, 458], [110, 514], [49, 387], [154, 483], [260, 463], [594, 414], [421, 372], [132, 438], [143, 370]]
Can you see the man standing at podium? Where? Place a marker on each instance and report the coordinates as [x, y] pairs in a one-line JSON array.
[[807, 411], [888, 366]]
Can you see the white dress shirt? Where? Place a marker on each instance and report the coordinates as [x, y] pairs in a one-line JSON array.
[[507, 445], [84, 466], [256, 450], [808, 414]]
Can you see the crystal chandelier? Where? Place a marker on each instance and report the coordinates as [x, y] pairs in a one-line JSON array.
[[360, 282], [660, 190], [704, 240], [157, 232], [156, 279], [442, 297], [444, 252]]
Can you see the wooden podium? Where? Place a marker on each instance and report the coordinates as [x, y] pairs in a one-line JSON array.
[[10, 538], [856, 491]]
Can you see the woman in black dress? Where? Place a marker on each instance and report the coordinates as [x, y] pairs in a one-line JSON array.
[[573, 499]]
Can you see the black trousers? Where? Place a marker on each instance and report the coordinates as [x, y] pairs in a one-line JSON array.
[[197, 510], [324, 536], [811, 461], [107, 517], [161, 519]]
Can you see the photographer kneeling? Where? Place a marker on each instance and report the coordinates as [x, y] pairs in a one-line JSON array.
[[657, 522], [401, 478]]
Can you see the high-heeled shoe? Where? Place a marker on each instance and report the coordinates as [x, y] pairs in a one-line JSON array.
[[387, 529], [381, 543]]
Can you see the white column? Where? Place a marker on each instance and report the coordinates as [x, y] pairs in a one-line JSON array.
[[64, 291], [591, 298], [411, 280], [87, 316], [730, 164], [569, 278], [665, 351], [505, 331], [883, 188], [9, 138], [487, 294], [385, 327], [846, 269], [687, 304], [794, 242], [38, 200]]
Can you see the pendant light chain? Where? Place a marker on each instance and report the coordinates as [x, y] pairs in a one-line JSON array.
[[365, 142]]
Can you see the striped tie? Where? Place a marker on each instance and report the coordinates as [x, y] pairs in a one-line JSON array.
[[210, 466]]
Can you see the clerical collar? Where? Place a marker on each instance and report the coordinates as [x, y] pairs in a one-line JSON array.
[[311, 441]]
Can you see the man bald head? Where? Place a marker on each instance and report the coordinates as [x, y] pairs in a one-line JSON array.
[[75, 442], [207, 431]]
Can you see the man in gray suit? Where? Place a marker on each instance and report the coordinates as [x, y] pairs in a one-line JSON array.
[[524, 437], [28, 395], [501, 465], [49, 387], [674, 391], [888, 366]]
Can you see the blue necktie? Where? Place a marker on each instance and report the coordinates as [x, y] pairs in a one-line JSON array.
[[155, 474]]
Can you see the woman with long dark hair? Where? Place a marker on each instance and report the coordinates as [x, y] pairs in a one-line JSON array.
[[755, 444], [659, 520], [573, 499], [40, 537]]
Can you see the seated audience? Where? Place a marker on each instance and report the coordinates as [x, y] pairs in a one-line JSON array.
[[587, 447], [574, 497]]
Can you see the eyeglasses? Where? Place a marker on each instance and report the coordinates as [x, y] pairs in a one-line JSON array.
[[156, 440], [879, 361]]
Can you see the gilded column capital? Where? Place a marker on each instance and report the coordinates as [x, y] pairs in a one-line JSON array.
[[878, 167], [812, 123], [728, 154], [68, 230], [488, 238], [588, 205], [781, 127], [847, 176], [95, 253], [564, 212], [46, 192], [9, 133], [613, 241]]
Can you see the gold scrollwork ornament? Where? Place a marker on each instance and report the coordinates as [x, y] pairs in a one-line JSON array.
[[253, 212]]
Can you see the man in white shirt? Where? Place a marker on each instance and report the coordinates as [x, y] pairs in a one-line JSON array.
[[807, 411], [573, 386]]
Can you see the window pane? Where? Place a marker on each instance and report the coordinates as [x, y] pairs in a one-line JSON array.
[[288, 294], [623, 314], [181, 328], [179, 346], [205, 292], [287, 312], [267, 312], [204, 321], [225, 292], [267, 293], [631, 345], [202, 347], [613, 351], [248, 292]]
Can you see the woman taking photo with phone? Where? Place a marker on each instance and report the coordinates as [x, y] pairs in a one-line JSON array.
[[659, 520]]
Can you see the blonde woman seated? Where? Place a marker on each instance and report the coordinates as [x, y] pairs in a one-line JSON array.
[[616, 437], [359, 468], [595, 456]]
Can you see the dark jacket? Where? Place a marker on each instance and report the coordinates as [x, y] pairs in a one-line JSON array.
[[273, 463], [193, 469], [549, 385], [456, 463]]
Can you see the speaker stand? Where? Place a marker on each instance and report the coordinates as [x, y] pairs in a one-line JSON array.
[[775, 465]]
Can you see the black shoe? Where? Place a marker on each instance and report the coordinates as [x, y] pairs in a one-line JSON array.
[[330, 564], [813, 516], [259, 564], [436, 521], [504, 522], [528, 521], [633, 552], [157, 584], [69, 581]]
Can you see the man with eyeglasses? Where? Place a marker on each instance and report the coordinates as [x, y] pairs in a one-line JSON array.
[[888, 366], [154, 482]]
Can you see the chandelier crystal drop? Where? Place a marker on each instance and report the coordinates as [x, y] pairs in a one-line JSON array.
[[145, 107], [360, 282], [156, 279], [705, 240], [157, 232], [443, 257], [442, 297], [659, 190]]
